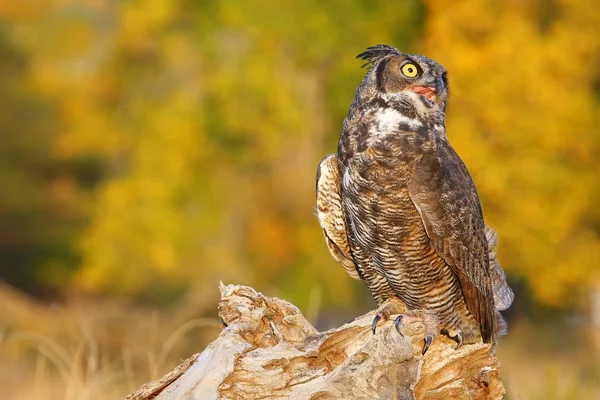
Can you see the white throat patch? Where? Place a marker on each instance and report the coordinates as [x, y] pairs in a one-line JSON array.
[[388, 119]]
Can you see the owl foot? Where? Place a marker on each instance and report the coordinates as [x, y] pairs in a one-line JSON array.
[[428, 320], [390, 307]]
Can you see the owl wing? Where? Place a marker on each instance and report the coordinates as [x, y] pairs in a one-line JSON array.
[[444, 194], [330, 213]]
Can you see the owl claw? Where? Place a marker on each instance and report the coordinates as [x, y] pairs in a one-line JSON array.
[[428, 340], [460, 338], [374, 324], [389, 307], [398, 324]]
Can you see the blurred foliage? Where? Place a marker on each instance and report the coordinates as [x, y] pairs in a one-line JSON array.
[[152, 148]]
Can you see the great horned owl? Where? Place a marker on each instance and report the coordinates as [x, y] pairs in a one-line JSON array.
[[399, 209]]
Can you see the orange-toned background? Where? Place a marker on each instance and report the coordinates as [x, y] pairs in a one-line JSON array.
[[151, 148]]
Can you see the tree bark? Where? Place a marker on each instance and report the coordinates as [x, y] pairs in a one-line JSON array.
[[269, 350]]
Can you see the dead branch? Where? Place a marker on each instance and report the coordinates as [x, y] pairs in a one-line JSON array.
[[269, 350]]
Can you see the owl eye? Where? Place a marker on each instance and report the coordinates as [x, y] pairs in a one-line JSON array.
[[409, 70]]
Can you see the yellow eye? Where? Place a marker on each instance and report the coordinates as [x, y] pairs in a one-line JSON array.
[[410, 70]]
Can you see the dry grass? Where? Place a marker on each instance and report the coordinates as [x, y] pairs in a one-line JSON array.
[[90, 351], [104, 350]]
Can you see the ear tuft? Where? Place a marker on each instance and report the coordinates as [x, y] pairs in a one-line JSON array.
[[376, 53]]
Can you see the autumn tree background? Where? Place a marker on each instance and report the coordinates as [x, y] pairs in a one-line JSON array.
[[151, 148]]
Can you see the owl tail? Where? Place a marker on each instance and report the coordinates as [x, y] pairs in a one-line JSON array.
[[503, 294], [501, 325]]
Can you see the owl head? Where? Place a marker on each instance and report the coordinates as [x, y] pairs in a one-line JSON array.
[[414, 84]]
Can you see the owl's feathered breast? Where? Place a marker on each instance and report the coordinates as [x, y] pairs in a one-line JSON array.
[[377, 156]]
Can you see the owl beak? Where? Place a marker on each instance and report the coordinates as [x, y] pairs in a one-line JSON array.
[[429, 93]]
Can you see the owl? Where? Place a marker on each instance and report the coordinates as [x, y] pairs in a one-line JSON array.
[[399, 209]]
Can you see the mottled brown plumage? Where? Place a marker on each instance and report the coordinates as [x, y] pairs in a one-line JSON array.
[[399, 209]]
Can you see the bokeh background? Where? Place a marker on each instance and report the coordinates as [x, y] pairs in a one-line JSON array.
[[151, 148]]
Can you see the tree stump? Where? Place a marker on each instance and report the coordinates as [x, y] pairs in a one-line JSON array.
[[269, 350]]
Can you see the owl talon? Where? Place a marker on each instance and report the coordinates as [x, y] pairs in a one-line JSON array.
[[428, 340], [391, 306], [374, 324], [398, 324], [460, 338]]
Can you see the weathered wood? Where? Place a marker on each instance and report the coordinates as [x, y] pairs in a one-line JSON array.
[[269, 350]]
